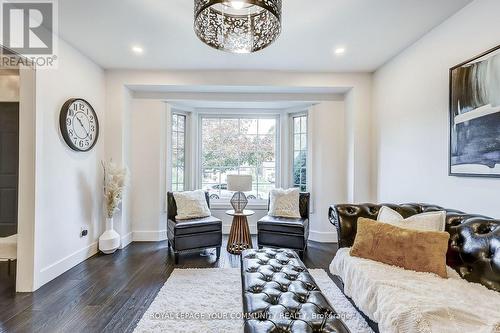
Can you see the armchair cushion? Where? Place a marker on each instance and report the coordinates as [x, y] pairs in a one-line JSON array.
[[193, 226], [282, 224]]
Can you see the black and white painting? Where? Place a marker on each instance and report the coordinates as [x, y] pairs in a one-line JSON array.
[[475, 116]]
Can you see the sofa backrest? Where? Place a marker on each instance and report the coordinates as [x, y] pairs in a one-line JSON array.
[[474, 246], [172, 207]]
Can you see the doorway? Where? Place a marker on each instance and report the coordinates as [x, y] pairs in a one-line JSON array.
[[9, 167], [9, 176]]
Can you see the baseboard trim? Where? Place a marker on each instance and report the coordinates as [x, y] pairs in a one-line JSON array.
[[323, 237], [149, 236], [59, 267], [126, 240]]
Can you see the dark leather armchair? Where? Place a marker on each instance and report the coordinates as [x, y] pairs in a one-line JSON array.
[[184, 235], [281, 232]]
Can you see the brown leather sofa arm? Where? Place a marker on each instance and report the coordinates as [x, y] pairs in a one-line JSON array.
[[345, 219]]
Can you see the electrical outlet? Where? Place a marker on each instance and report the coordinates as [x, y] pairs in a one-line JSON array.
[[84, 231]]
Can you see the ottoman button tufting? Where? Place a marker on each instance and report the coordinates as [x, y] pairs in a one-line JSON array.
[[279, 296], [302, 299], [310, 286], [273, 300], [256, 289]]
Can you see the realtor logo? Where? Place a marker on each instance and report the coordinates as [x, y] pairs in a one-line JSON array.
[[29, 30]]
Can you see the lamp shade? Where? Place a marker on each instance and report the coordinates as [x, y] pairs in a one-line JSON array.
[[239, 183]]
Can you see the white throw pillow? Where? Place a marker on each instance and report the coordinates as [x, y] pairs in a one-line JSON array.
[[431, 221], [284, 203], [191, 205]]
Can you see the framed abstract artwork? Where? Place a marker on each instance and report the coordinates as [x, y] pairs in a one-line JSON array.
[[475, 116]]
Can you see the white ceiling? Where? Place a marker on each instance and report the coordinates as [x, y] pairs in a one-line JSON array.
[[372, 31]]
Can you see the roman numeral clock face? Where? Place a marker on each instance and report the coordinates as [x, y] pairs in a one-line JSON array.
[[79, 124]]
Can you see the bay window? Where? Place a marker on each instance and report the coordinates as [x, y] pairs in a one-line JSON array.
[[238, 145], [205, 148]]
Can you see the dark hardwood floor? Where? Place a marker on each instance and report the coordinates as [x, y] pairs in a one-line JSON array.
[[111, 293]]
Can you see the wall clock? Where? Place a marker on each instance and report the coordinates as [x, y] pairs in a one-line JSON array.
[[79, 124]]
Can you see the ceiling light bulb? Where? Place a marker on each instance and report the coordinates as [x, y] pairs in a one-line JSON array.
[[339, 51], [237, 4], [137, 49]]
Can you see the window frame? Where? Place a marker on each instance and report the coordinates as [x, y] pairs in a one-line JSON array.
[[186, 148], [235, 115], [291, 148]]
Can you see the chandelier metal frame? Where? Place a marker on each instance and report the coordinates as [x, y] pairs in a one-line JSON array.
[[237, 31]]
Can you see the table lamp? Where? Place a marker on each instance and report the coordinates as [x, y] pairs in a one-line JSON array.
[[239, 184]]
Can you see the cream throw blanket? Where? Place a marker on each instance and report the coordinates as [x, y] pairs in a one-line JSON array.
[[403, 301]]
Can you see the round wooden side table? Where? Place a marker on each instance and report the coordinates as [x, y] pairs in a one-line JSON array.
[[239, 236]]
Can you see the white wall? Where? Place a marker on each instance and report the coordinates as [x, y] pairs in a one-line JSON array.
[[411, 115], [329, 163], [26, 219], [148, 172], [69, 184], [117, 135]]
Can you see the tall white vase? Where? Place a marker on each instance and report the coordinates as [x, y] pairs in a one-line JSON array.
[[109, 241]]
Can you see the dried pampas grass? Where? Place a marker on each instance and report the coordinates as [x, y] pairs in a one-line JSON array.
[[115, 179]]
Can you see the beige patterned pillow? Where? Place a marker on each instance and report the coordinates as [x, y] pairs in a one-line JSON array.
[[284, 203], [430, 221], [191, 205]]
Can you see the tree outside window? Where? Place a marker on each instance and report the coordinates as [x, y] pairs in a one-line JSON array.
[[238, 145]]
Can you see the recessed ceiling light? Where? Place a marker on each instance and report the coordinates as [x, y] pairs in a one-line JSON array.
[[137, 50], [339, 51]]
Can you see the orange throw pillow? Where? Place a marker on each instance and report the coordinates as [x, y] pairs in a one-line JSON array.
[[421, 251]]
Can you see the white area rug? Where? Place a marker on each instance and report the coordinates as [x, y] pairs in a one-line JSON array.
[[197, 300], [209, 300]]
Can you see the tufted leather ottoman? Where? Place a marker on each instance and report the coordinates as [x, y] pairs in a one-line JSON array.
[[279, 295]]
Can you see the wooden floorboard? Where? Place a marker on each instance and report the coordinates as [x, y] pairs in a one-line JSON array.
[[110, 293]]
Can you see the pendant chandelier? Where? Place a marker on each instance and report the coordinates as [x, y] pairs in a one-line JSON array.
[[238, 26]]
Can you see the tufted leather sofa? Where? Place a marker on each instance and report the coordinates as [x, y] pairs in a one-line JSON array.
[[279, 295], [474, 247], [291, 233], [184, 235]]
